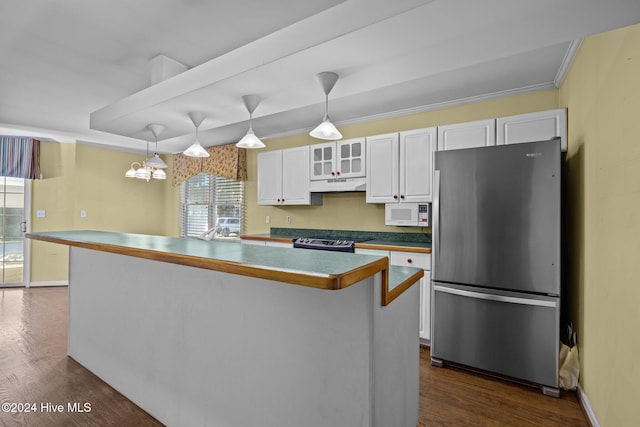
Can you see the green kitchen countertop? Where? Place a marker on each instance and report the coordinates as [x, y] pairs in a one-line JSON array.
[[394, 243], [319, 269], [364, 239]]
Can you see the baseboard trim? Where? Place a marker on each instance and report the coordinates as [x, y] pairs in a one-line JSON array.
[[586, 407], [48, 284]]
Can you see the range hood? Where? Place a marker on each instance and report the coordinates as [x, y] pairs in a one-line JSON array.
[[338, 185]]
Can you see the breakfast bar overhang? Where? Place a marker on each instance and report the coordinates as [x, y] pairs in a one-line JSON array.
[[224, 334]]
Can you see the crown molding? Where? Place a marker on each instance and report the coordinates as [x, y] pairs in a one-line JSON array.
[[572, 50], [425, 108]]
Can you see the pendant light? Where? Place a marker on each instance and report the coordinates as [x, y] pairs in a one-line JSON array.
[[150, 168], [156, 162], [326, 129], [131, 173], [143, 171], [196, 150], [250, 140]]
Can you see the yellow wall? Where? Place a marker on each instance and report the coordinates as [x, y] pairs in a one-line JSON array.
[[349, 211], [54, 194], [602, 94], [82, 177]]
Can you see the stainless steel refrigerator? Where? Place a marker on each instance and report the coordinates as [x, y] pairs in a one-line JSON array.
[[496, 260]]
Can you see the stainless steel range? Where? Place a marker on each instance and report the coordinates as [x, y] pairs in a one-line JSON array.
[[325, 244]]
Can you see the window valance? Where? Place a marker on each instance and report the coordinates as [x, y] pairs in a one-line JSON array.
[[227, 161], [19, 157]]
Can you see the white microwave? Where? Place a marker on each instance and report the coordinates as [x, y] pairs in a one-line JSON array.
[[408, 214]]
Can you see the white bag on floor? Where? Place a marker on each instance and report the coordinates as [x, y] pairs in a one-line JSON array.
[[569, 366]]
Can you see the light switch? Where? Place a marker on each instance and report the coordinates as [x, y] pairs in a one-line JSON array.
[[40, 214], [268, 219]]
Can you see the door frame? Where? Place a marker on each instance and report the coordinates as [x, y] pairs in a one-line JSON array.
[[26, 243]]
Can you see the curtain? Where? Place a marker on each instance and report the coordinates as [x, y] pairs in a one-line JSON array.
[[19, 157], [227, 161]]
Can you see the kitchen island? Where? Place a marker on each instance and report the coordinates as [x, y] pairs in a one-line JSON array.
[[223, 334]]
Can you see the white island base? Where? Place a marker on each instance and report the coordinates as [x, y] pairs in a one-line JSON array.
[[196, 347]]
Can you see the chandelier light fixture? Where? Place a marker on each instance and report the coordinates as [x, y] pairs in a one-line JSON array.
[[196, 149], [250, 140], [151, 167], [326, 129]]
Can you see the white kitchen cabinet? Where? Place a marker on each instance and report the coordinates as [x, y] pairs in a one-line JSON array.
[[382, 167], [270, 177], [399, 166], [340, 159], [420, 260], [529, 127], [411, 259], [480, 133], [283, 177]]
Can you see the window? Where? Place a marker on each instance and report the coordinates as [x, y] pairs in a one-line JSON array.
[[208, 201]]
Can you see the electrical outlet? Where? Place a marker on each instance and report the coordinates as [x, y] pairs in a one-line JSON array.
[[288, 219], [267, 219], [41, 214], [83, 214]]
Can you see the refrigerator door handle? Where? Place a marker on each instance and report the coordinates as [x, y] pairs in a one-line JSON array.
[[492, 297], [436, 218]]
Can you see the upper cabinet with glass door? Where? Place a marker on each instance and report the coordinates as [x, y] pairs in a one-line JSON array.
[[340, 159]]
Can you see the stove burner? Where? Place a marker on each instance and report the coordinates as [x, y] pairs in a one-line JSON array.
[[325, 244]]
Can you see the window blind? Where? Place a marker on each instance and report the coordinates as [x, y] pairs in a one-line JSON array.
[[207, 200]]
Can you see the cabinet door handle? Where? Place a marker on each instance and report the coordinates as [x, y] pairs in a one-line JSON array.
[[402, 196], [333, 173], [409, 260], [395, 196], [338, 173]]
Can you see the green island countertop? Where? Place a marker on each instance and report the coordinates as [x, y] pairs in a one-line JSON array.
[[317, 269]]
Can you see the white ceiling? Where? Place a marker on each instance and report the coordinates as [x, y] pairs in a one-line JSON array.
[[80, 70]]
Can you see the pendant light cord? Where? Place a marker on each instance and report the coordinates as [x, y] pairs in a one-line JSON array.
[[326, 106]]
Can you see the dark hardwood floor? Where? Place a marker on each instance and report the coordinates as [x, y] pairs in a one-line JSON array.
[[34, 369], [455, 397]]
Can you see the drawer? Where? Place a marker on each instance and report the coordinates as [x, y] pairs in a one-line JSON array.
[[411, 259], [507, 334]]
